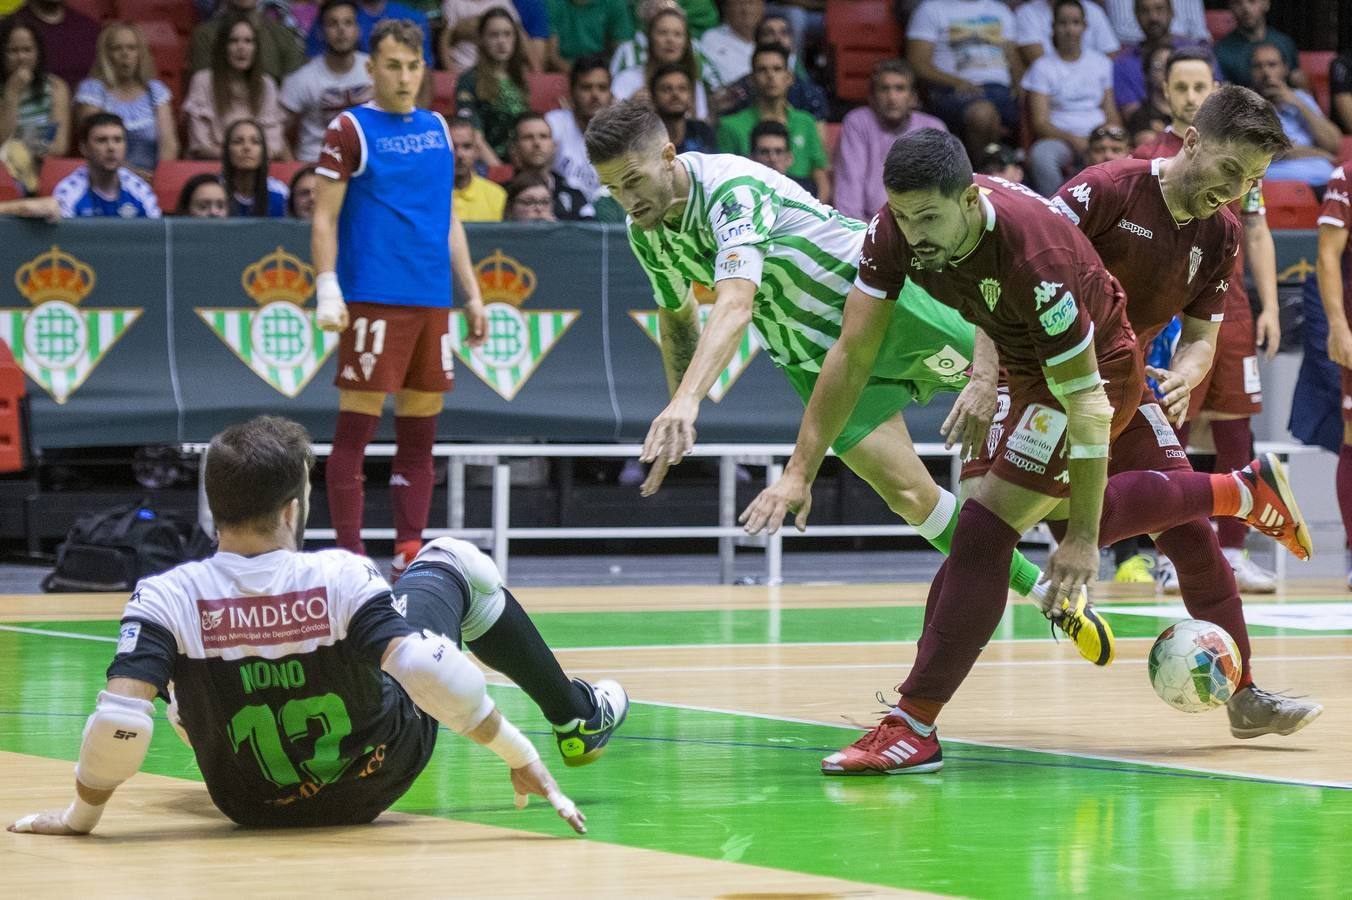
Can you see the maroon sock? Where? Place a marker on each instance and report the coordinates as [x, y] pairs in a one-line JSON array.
[[1234, 450], [1344, 481], [1208, 583], [1149, 502], [970, 603], [343, 478], [411, 475]]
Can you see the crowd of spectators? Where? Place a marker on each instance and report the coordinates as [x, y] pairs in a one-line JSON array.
[[1029, 86]]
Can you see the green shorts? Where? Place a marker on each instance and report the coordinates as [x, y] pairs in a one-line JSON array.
[[927, 349]]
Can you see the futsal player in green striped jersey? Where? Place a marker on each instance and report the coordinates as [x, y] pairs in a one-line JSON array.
[[781, 262]]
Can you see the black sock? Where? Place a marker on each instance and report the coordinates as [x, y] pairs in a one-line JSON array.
[[514, 647]]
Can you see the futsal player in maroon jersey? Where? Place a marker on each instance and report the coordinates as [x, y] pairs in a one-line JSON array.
[[1334, 270], [1035, 288]]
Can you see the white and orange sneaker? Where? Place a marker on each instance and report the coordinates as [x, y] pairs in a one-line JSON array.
[[1274, 511], [892, 747]]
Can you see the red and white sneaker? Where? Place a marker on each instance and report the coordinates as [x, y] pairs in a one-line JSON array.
[[1274, 511], [892, 748], [404, 551]]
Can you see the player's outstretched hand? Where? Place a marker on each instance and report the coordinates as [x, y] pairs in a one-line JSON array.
[[970, 419], [1072, 565], [477, 320], [670, 438], [791, 494], [331, 315], [1174, 391], [1340, 347], [535, 779], [1267, 330], [51, 821]]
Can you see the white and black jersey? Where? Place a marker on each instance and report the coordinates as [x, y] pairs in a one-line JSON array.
[[275, 661]]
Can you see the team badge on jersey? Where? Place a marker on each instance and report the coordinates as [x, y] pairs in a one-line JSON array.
[[518, 340], [280, 340], [990, 292], [746, 350], [1194, 262], [57, 343]]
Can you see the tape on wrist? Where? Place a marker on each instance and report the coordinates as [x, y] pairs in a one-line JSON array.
[[512, 746], [327, 289], [1088, 451], [82, 816]]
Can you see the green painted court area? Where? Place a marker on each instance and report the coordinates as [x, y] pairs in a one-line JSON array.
[[747, 789]]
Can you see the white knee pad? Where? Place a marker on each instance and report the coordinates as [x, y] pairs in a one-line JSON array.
[[116, 738], [441, 680], [486, 598]]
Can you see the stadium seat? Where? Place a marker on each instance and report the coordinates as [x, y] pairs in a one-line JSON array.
[[832, 140], [860, 33], [1219, 22], [98, 10], [443, 92], [54, 168], [1290, 204], [170, 176], [9, 188], [1315, 66], [501, 174], [285, 171], [168, 48], [547, 89], [177, 13]]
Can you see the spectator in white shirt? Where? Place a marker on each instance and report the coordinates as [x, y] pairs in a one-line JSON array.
[[727, 48], [1189, 21], [325, 86], [1033, 30]]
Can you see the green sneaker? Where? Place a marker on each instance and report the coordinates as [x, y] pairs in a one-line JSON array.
[[581, 741]]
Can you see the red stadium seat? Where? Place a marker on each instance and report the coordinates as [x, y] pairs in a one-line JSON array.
[[168, 48], [862, 23], [170, 177], [177, 13], [54, 168], [9, 188], [501, 174], [1315, 65], [443, 92], [1219, 22], [98, 10], [547, 89], [1290, 204], [285, 171]]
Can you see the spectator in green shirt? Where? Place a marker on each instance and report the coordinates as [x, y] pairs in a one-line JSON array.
[[771, 78], [1235, 49], [586, 26]]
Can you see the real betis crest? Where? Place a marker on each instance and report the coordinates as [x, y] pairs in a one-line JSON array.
[[279, 340], [746, 351], [518, 340], [57, 343]]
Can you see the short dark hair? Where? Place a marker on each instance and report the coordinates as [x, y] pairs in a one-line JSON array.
[[1187, 54], [767, 47], [190, 187], [1237, 114], [303, 171], [328, 5], [255, 469], [529, 115], [523, 181], [768, 128], [665, 69], [98, 119], [1269, 46], [890, 67], [587, 62], [621, 128], [1060, 3], [927, 158], [402, 31]]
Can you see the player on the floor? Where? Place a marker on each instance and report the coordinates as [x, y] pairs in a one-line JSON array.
[[1230, 392], [385, 244], [1162, 230], [310, 693], [1025, 275], [1334, 270], [781, 262]]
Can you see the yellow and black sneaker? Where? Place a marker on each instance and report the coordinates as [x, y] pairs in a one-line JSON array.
[[582, 740], [1138, 569], [1089, 630]]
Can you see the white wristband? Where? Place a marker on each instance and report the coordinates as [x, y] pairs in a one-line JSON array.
[[327, 288], [513, 746], [81, 816]]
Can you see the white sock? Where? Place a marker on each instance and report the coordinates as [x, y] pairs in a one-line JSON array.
[[1245, 497], [939, 517], [917, 726]]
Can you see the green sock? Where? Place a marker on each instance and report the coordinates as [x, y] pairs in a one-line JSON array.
[[938, 529]]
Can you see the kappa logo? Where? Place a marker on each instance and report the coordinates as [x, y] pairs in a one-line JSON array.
[[990, 292], [873, 228], [1045, 293], [1081, 192], [349, 373], [1194, 262], [1336, 196], [518, 340], [335, 152], [55, 342], [279, 340], [1138, 230], [1223, 285], [730, 209]]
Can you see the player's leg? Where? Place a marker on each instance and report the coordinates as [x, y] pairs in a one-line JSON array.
[[1233, 437], [358, 417], [1344, 474], [455, 589]]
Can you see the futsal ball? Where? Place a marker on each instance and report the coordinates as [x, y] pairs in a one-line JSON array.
[[1194, 666]]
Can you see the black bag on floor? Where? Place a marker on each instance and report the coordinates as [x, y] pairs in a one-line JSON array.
[[113, 549]]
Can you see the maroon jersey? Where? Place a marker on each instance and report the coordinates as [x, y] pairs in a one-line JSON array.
[[1167, 145], [1166, 268], [1033, 282], [1337, 211]]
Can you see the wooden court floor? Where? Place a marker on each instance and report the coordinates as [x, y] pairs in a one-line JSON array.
[[1060, 779]]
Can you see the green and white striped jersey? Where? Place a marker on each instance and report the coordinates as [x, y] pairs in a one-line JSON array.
[[744, 220]]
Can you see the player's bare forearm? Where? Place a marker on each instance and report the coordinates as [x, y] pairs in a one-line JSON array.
[[461, 263], [679, 331], [329, 196], [1261, 253], [985, 359], [843, 376], [719, 339], [1196, 349], [1088, 481], [1329, 272]]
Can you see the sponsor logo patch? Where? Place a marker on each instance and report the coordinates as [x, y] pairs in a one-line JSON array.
[[1165, 435], [127, 637], [1038, 433], [265, 621], [1252, 383], [1059, 317], [1137, 230], [948, 364]]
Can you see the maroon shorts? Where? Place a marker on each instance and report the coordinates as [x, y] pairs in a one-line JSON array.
[[1027, 441], [389, 348], [1232, 385]]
